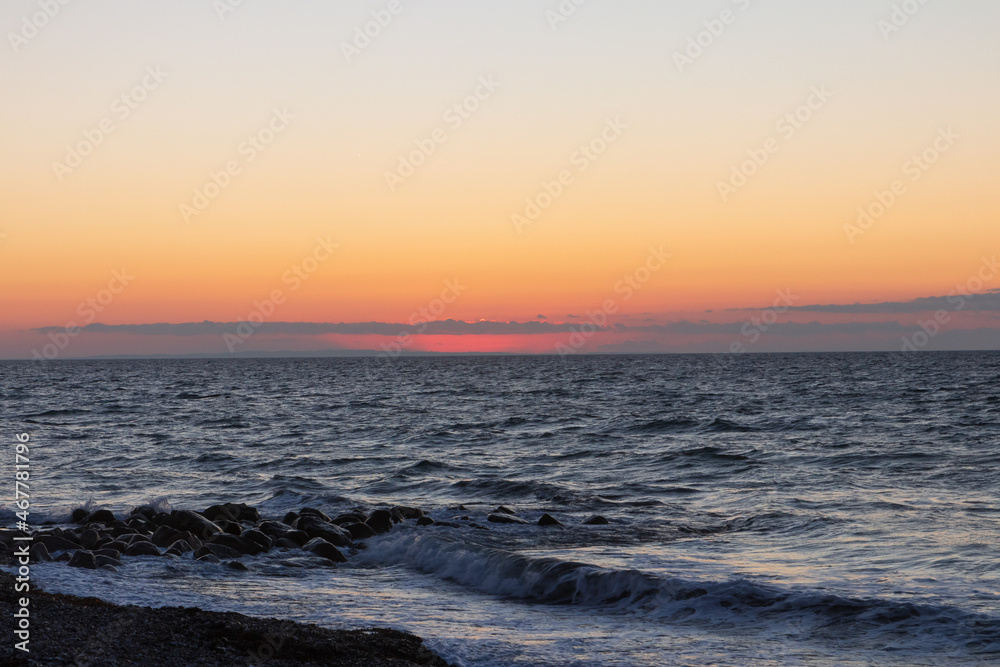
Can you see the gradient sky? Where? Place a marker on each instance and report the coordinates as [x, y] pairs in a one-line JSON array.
[[680, 131]]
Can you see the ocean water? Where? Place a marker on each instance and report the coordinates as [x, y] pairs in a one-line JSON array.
[[827, 509]]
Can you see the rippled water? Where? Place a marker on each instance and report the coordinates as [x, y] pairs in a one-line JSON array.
[[775, 509]]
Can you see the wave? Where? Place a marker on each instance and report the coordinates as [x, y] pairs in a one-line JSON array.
[[895, 623]]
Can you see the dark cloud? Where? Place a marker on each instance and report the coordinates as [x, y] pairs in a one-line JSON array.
[[437, 328], [983, 302]]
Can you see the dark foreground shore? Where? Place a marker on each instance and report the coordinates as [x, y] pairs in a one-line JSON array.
[[67, 630]]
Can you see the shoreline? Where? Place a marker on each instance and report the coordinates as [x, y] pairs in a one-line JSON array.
[[71, 630]]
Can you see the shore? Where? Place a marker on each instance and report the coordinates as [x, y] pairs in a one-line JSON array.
[[68, 630]]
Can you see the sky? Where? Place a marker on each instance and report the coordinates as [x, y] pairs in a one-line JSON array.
[[530, 176]]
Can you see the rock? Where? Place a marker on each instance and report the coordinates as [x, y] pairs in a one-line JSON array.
[[58, 543], [189, 538], [315, 527], [109, 568], [505, 518], [208, 557], [89, 538], [503, 509], [477, 526], [139, 538], [359, 531], [140, 548], [63, 557], [274, 528], [101, 516], [232, 512], [324, 549], [596, 520], [349, 517], [447, 524], [218, 550], [79, 515], [83, 559], [548, 520], [312, 511], [299, 537], [145, 511], [236, 543], [236, 565], [117, 546], [106, 560], [397, 516], [104, 541], [409, 512], [285, 543], [380, 521], [230, 527], [39, 553], [119, 530], [192, 521], [290, 518], [425, 521], [110, 553], [180, 547], [165, 536], [257, 537]]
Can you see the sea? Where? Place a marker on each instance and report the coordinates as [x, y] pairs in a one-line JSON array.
[[766, 509]]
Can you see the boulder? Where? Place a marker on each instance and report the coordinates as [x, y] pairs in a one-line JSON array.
[[548, 520], [297, 536], [285, 543], [106, 560], [79, 515], [505, 518], [503, 509], [359, 531], [380, 521], [257, 537], [164, 536], [290, 518], [58, 543], [349, 517], [180, 547], [231, 527], [596, 520], [236, 543], [192, 521], [324, 549], [232, 512], [100, 516], [409, 512], [117, 546], [425, 521], [83, 559], [315, 527], [312, 511], [140, 548], [89, 538], [274, 528], [218, 550], [39, 553], [236, 565], [145, 511], [209, 557]]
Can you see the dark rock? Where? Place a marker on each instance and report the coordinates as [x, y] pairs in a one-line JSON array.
[[425, 521], [58, 543], [180, 547], [349, 517], [290, 518], [140, 548], [503, 509], [447, 524], [39, 553], [219, 550], [230, 527], [140, 525], [257, 537], [380, 521], [312, 511], [324, 549], [79, 515], [106, 560], [299, 537], [236, 543], [192, 521], [104, 541], [236, 565], [285, 543], [119, 530], [83, 559], [409, 512], [139, 538], [191, 539], [117, 545], [359, 531], [232, 512], [273, 528], [397, 516], [477, 526], [548, 520], [89, 538], [110, 553], [101, 516], [164, 536], [315, 527], [145, 511], [209, 557], [108, 567], [505, 518], [63, 557], [596, 520]]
